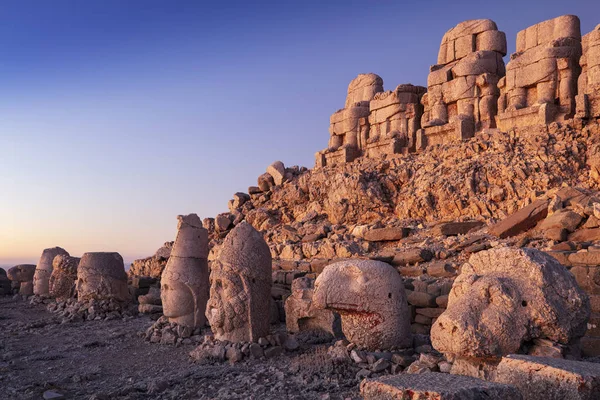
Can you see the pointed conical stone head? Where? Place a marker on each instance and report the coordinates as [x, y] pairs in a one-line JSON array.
[[43, 270], [184, 281], [240, 287]]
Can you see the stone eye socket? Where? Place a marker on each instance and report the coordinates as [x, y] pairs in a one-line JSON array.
[[389, 295], [524, 303]]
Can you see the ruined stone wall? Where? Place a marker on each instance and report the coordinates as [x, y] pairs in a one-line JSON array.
[[554, 76]]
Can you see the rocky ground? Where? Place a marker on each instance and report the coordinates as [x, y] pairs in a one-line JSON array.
[[41, 358]]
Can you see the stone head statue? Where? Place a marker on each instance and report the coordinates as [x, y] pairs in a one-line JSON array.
[[64, 277], [102, 276], [23, 274], [240, 287], [369, 295], [505, 297], [184, 281], [43, 270]]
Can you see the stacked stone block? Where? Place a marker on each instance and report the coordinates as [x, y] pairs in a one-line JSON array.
[[588, 85], [394, 120], [541, 78], [462, 87], [349, 127]]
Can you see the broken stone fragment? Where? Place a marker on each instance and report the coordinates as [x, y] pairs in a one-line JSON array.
[[456, 228], [411, 256], [435, 386], [277, 171], [521, 221], [386, 234], [562, 219], [543, 378]]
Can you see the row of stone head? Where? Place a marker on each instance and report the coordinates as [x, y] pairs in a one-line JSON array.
[[95, 275]]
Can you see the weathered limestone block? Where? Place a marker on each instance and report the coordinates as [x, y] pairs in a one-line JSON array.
[[277, 171], [240, 287], [541, 78], [369, 295], [43, 270], [184, 282], [505, 297], [301, 316], [102, 276], [435, 386], [64, 277], [349, 127], [462, 90], [543, 378], [521, 221], [395, 117], [588, 97]]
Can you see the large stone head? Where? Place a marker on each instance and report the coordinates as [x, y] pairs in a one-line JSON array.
[[506, 297], [369, 295], [64, 276], [102, 276], [184, 281], [363, 88], [43, 270], [23, 274], [240, 287]]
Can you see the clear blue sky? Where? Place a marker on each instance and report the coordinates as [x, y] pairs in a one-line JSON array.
[[115, 116]]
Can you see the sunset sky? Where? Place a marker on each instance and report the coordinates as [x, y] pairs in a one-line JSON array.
[[115, 116]]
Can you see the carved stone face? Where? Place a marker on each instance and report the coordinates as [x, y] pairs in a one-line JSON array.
[[184, 301], [370, 298], [184, 281], [506, 297], [240, 287], [227, 309], [63, 278], [494, 322], [43, 270]]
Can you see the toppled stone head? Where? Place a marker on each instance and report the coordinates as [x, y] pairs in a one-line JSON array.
[[64, 277], [370, 297], [102, 276], [43, 270], [240, 287], [506, 297], [23, 274], [184, 281]]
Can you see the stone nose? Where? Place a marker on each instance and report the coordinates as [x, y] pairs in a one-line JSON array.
[[447, 333]]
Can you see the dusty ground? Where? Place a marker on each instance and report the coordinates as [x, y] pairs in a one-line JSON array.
[[107, 360]]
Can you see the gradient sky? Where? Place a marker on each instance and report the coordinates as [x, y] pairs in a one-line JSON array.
[[115, 116]]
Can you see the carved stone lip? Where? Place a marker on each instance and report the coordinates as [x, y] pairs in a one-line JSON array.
[[347, 307]]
